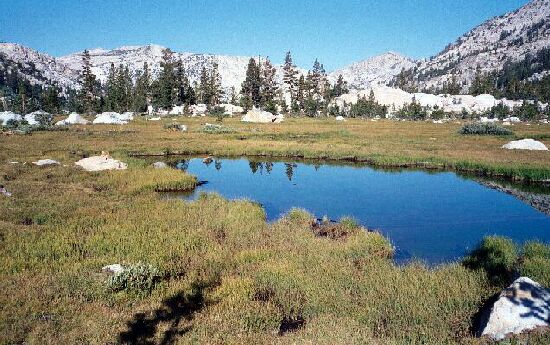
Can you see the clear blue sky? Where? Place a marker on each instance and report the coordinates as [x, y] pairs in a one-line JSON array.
[[337, 32]]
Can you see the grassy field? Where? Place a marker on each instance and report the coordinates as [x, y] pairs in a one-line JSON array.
[[214, 271]]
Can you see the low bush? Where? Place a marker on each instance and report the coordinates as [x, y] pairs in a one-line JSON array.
[[535, 262], [217, 129], [497, 256], [484, 129], [501, 259], [138, 278]]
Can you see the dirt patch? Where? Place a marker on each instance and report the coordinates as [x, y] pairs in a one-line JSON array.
[[329, 229]]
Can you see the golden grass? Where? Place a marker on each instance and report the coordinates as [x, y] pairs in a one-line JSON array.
[[227, 275]]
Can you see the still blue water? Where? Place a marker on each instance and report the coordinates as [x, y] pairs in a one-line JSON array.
[[434, 217]]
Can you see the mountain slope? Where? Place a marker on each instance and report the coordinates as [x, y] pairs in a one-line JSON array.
[[37, 68], [490, 45], [231, 68], [64, 71], [379, 70]]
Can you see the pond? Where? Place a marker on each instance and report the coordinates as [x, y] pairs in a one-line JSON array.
[[432, 216]]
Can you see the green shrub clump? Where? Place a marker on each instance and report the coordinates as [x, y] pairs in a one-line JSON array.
[[217, 129], [502, 260], [139, 278], [497, 256], [484, 129]]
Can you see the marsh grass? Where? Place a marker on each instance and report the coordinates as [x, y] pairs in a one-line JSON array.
[[227, 276]]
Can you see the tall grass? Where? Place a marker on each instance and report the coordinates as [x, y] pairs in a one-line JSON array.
[[225, 275]]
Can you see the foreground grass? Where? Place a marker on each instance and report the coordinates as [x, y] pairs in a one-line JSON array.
[[223, 275]]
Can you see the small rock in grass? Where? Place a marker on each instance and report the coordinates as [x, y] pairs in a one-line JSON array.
[[114, 268], [523, 306], [160, 165], [4, 191], [43, 162], [340, 118]]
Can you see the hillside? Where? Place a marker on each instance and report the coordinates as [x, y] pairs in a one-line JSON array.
[[507, 38], [379, 70]]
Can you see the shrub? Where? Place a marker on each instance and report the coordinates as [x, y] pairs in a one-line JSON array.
[[484, 129], [138, 278], [497, 256], [217, 129], [44, 119], [535, 262], [218, 112]]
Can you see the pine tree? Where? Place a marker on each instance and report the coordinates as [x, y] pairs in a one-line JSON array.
[[111, 90], [341, 87], [50, 99], [204, 87], [185, 93], [165, 92], [269, 87], [142, 90], [251, 87], [88, 91], [215, 85], [290, 80]]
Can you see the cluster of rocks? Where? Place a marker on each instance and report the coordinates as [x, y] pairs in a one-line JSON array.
[[195, 110], [395, 99], [34, 119]]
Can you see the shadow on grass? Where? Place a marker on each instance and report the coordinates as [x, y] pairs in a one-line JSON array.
[[142, 329]]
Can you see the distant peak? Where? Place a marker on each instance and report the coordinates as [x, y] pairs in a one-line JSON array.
[[96, 51]]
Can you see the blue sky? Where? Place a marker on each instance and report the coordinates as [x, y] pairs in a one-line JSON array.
[[336, 32]]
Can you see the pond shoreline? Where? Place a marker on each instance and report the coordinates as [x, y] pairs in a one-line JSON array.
[[474, 169]]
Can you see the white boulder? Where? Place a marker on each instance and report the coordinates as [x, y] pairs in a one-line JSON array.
[[109, 118], [112, 118], [43, 162], [525, 144], [198, 109], [99, 163], [160, 165], [6, 116], [31, 117], [113, 268], [231, 109], [127, 116], [523, 306], [73, 119], [177, 110], [487, 120], [340, 118], [512, 119], [259, 116]]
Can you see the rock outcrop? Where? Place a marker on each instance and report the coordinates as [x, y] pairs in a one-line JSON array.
[[523, 306], [43, 162], [525, 144], [6, 116], [99, 163], [259, 116], [73, 119]]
